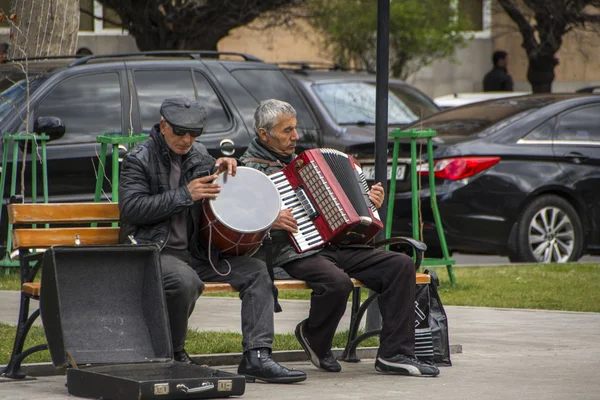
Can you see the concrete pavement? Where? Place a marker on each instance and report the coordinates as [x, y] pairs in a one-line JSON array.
[[507, 354]]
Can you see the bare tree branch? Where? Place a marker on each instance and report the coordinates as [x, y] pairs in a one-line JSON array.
[[529, 42], [196, 24]]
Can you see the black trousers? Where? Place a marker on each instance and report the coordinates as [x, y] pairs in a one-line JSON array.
[[390, 274]]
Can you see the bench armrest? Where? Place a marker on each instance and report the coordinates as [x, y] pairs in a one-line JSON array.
[[417, 246]]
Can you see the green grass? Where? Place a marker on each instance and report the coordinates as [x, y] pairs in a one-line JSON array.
[[198, 342], [570, 287]]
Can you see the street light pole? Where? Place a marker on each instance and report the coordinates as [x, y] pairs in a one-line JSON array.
[[381, 125]]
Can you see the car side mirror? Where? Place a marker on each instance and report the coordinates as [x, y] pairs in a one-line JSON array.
[[51, 126]]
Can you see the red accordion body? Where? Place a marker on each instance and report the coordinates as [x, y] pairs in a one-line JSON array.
[[328, 195]]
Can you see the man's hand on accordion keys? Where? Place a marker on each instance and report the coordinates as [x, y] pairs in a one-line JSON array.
[[377, 194], [286, 221]]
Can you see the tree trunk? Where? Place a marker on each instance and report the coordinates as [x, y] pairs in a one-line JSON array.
[[540, 73], [44, 28]]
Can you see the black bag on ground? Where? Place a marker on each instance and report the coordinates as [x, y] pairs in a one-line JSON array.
[[431, 324]]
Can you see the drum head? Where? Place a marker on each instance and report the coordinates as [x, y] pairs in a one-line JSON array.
[[248, 202]]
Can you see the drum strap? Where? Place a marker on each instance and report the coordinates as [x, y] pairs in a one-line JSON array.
[[267, 244]]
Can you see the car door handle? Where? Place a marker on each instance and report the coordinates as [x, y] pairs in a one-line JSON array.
[[576, 157], [227, 147], [122, 151]]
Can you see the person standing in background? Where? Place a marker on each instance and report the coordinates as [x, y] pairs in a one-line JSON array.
[[498, 79]]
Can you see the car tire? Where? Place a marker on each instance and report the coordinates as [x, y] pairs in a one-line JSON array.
[[548, 230]]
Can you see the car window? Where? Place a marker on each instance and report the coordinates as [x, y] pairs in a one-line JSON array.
[[543, 131], [484, 118], [88, 105], [16, 94], [153, 86], [264, 84], [218, 119], [353, 103], [580, 125], [419, 104]]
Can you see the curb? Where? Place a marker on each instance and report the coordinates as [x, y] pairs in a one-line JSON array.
[[222, 359]]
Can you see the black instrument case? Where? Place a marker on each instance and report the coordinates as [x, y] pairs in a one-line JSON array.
[[105, 319]]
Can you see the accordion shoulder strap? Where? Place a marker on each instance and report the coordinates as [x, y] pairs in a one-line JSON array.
[[263, 161]]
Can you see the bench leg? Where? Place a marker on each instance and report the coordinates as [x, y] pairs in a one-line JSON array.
[[358, 311], [13, 368]]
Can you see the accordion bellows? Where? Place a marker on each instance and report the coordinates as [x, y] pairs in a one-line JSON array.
[[328, 195]]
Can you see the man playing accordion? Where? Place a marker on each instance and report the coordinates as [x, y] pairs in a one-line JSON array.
[[327, 271]]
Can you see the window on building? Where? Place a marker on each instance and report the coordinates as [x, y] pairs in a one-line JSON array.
[[5, 8], [472, 12], [89, 105], [581, 125], [111, 20], [86, 15]]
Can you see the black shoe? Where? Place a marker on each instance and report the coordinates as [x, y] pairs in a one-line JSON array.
[[183, 357], [405, 365], [257, 364], [326, 363]]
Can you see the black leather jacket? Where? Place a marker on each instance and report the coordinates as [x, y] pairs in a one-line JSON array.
[[145, 201]]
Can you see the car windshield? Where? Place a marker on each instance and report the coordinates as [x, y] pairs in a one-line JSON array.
[[483, 119], [13, 97], [353, 103]]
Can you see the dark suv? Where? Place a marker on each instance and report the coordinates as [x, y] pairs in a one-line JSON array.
[[121, 93]]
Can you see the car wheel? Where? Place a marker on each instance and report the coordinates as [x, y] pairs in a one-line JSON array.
[[548, 230]]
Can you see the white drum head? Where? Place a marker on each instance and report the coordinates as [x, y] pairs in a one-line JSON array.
[[249, 202]]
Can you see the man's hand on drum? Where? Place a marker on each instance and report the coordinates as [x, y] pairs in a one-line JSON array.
[[377, 194], [286, 221], [202, 188], [226, 164]]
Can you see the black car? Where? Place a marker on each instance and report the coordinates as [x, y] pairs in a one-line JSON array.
[[517, 176], [121, 94], [344, 103]]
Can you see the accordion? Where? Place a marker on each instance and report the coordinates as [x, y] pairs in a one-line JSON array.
[[328, 194]]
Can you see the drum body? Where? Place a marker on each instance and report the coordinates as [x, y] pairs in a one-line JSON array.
[[238, 220]]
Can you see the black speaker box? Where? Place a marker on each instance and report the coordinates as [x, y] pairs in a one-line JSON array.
[[105, 317]]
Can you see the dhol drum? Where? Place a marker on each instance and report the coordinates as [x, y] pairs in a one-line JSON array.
[[238, 220]]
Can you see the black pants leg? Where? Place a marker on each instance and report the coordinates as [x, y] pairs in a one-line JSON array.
[[392, 275], [182, 288], [330, 290], [250, 277]]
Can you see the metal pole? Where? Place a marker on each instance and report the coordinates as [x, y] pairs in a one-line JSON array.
[[381, 124]]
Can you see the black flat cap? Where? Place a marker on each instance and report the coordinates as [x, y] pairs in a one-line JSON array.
[[184, 114]]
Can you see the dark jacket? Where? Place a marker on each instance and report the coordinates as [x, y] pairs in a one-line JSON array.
[[146, 202], [283, 249], [497, 80]]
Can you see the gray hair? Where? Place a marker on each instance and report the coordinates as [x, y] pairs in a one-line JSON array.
[[267, 113]]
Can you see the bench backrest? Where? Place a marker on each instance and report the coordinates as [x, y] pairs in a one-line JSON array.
[[67, 224]]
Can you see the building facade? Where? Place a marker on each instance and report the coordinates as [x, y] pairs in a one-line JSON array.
[[579, 61]]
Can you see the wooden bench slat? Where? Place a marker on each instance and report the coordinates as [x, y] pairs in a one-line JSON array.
[[58, 213], [33, 288], [42, 237]]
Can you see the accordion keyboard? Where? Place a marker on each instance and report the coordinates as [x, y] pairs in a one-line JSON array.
[[307, 236]]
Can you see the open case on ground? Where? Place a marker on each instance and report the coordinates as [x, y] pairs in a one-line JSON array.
[[105, 318]]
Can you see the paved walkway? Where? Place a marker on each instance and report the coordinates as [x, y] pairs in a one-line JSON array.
[[507, 354]]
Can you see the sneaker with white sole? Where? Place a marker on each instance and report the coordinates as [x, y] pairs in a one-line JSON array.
[[326, 363], [405, 365]]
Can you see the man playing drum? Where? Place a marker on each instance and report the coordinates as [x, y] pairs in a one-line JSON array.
[[163, 182], [328, 271]]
